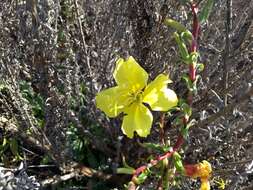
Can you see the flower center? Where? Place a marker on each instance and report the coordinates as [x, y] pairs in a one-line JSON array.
[[138, 97], [135, 97]]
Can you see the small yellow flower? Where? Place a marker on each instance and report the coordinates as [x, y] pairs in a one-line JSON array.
[[202, 170], [221, 183], [130, 94], [205, 185]]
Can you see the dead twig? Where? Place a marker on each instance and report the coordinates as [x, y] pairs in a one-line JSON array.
[[85, 47], [227, 109], [58, 179], [227, 48]]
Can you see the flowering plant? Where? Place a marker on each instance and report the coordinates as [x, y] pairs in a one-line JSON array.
[[130, 94], [134, 98]]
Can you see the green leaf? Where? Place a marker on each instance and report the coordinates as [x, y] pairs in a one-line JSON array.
[[14, 148], [186, 36], [193, 58], [185, 132], [182, 47], [178, 162], [179, 27], [125, 163], [200, 67], [185, 129], [156, 147], [186, 109], [125, 171], [142, 177], [205, 12], [179, 165], [176, 156], [187, 81], [4, 146]]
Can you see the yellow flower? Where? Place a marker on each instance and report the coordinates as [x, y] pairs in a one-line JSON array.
[[221, 183], [130, 94], [205, 185], [202, 170]]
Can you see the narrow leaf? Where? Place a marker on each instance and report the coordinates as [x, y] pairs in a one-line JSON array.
[[125, 171], [182, 47], [14, 148], [178, 162], [187, 81], [155, 147], [179, 27], [205, 12]]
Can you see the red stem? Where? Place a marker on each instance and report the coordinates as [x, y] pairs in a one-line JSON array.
[[190, 169], [180, 141], [192, 75], [192, 72], [195, 34], [195, 27]]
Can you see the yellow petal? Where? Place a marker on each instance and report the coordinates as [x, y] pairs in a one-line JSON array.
[[204, 169], [112, 100], [130, 73], [158, 96], [138, 119], [205, 185]]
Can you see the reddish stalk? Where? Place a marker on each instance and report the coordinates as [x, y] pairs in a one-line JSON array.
[[195, 27], [168, 154], [192, 75], [194, 46], [195, 34]]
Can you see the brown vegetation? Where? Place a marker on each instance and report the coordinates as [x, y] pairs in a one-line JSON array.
[[56, 55]]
